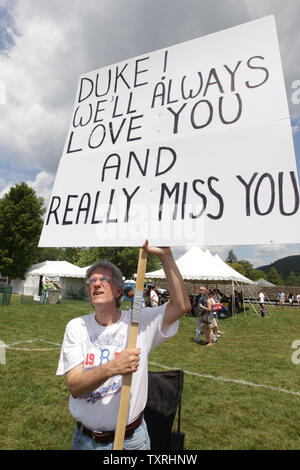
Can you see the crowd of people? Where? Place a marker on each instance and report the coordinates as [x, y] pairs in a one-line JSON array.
[[291, 298], [282, 298], [208, 307]]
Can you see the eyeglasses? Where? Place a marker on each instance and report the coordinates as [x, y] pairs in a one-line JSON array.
[[103, 280]]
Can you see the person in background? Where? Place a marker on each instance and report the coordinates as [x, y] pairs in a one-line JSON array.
[[211, 301], [44, 291], [291, 299], [129, 292], [204, 313], [154, 299], [281, 297], [201, 299], [261, 296]]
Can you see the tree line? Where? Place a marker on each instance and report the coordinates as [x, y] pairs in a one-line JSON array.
[[245, 268]]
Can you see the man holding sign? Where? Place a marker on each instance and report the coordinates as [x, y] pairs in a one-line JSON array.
[[94, 355]]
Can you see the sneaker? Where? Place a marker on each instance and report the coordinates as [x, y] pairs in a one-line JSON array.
[[220, 332]]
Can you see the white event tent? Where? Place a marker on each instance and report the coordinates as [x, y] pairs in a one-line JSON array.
[[197, 265], [68, 276]]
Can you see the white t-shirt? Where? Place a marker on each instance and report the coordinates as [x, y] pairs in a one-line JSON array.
[[261, 298], [153, 298], [86, 341]]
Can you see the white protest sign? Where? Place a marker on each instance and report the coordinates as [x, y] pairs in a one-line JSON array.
[[186, 145]]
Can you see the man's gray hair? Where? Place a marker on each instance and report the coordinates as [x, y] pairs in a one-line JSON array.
[[117, 276]]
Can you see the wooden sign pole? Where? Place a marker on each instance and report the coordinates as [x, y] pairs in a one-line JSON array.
[[132, 338]]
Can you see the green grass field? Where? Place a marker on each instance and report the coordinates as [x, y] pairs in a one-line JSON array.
[[243, 393]]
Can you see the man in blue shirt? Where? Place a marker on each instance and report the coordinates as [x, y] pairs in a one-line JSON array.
[[201, 300], [129, 292]]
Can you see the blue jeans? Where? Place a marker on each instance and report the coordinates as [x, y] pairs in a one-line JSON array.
[[44, 297], [138, 441]]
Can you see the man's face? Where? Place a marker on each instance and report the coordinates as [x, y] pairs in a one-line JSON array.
[[130, 294], [101, 287], [202, 290]]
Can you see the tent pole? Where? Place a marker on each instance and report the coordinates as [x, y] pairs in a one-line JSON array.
[[233, 303], [240, 286], [244, 303]]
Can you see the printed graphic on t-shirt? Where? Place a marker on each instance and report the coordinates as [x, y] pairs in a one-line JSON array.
[[100, 350]]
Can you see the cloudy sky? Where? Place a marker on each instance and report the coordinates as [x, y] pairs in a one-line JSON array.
[[46, 45]]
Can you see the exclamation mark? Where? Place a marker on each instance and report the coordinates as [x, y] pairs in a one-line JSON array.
[[165, 64]]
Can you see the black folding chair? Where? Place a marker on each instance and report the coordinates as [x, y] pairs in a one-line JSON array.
[[164, 397]]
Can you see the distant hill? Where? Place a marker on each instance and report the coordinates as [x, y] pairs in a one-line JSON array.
[[284, 266]]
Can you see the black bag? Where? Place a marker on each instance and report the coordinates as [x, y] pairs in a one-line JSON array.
[[177, 437], [205, 317], [164, 394]]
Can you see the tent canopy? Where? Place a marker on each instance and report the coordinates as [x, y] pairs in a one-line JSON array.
[[264, 282], [199, 265], [67, 275], [56, 268]]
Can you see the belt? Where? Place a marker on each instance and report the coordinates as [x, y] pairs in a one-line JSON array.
[[104, 437]]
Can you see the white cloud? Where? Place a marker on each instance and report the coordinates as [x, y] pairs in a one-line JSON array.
[[270, 248], [266, 254], [56, 41], [51, 49], [287, 22], [42, 184], [295, 129]]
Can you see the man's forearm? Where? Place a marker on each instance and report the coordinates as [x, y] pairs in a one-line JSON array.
[[82, 382], [179, 298]]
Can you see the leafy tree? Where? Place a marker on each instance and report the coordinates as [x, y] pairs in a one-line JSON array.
[[239, 268], [57, 254], [274, 277], [126, 258], [231, 257], [20, 227], [70, 254], [292, 279], [48, 254], [258, 274], [249, 270]]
